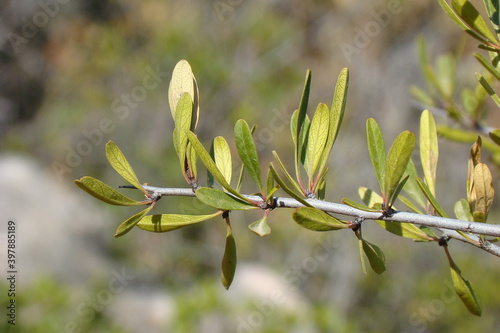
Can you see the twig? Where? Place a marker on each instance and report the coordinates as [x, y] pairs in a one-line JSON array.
[[447, 225]]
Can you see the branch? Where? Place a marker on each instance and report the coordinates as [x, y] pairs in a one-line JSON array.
[[448, 226]]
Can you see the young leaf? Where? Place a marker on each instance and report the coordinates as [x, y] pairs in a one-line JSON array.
[[318, 135], [247, 151], [229, 259], [406, 230], [411, 186], [103, 192], [375, 256], [463, 288], [336, 115], [210, 165], [169, 222], [370, 198], [317, 220], [359, 206], [462, 210], [484, 190], [488, 89], [459, 21], [471, 16], [376, 149], [487, 64], [397, 159], [299, 125], [285, 171], [127, 225], [432, 200], [398, 190], [221, 200], [495, 136], [182, 82], [182, 124], [121, 165], [285, 188], [260, 227], [222, 157], [429, 149]]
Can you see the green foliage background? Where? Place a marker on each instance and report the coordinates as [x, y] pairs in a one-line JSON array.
[[251, 65]]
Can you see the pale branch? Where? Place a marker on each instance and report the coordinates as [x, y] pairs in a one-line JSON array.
[[448, 226]]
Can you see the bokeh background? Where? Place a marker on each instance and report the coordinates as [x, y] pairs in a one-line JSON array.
[[75, 74]]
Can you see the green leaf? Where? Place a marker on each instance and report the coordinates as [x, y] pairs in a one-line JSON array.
[[375, 256], [105, 193], [488, 89], [299, 125], [318, 135], [462, 210], [247, 151], [169, 222], [421, 96], [127, 225], [221, 200], [459, 21], [121, 165], [260, 227], [317, 220], [429, 149], [285, 188], [359, 206], [406, 230], [471, 16], [182, 82], [336, 114], [398, 190], [432, 200], [464, 290], [210, 165], [376, 149], [370, 198], [397, 159], [484, 190], [222, 157], [411, 187], [182, 124], [487, 64], [285, 171], [229, 259], [191, 160]]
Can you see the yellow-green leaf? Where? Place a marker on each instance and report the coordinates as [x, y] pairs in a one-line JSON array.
[[127, 225], [336, 114], [406, 230], [429, 149], [169, 222], [376, 149], [464, 290], [222, 157], [121, 165], [229, 259], [459, 21], [318, 135], [432, 200], [317, 220], [221, 200], [260, 227], [462, 210], [182, 82], [374, 254], [210, 164], [397, 159], [105, 193], [247, 150], [471, 16]]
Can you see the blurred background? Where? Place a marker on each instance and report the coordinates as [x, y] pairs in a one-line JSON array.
[[75, 74]]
